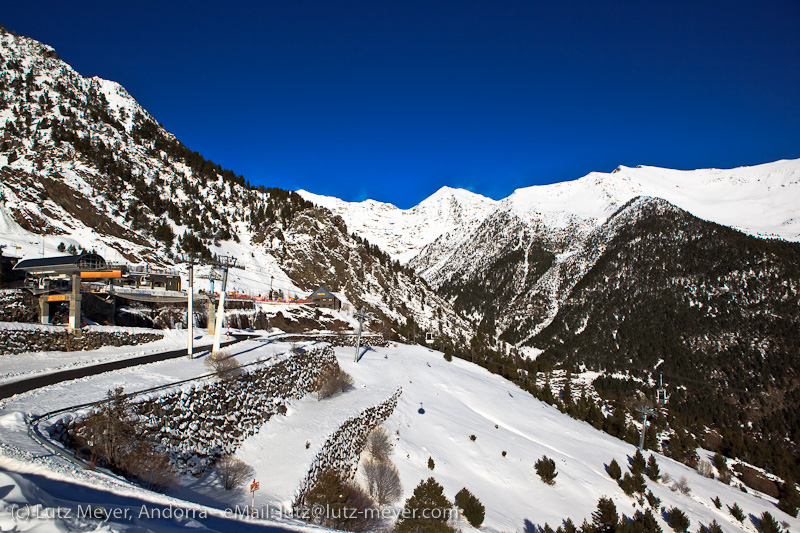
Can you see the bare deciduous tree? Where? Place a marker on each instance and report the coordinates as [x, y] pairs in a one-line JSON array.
[[233, 471], [224, 365], [704, 467], [378, 444], [383, 481]]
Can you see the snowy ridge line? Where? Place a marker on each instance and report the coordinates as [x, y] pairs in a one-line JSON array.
[[342, 449]]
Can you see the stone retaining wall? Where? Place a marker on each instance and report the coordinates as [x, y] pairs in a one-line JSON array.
[[198, 425], [32, 340], [342, 449]]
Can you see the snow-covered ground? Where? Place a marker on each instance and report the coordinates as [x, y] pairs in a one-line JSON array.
[[25, 365], [441, 406], [36, 484]]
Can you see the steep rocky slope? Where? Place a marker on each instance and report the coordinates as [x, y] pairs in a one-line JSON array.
[[84, 165], [404, 232], [712, 310]]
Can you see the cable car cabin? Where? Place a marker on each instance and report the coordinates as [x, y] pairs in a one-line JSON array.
[[429, 338], [661, 396], [661, 392]]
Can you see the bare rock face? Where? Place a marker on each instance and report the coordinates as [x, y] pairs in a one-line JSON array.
[[18, 306]]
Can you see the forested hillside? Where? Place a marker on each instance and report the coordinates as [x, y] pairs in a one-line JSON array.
[[711, 309]]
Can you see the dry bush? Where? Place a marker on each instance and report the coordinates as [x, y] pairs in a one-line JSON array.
[[383, 481], [363, 513], [378, 444], [332, 379], [109, 433], [223, 365], [111, 438], [755, 480], [683, 486], [150, 467], [705, 469], [233, 471]]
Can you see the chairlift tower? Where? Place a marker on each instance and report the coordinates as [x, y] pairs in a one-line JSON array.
[[225, 262], [645, 410], [361, 315], [191, 259]]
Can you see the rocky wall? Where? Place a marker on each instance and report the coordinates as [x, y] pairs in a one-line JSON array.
[[342, 449], [200, 424], [33, 340]]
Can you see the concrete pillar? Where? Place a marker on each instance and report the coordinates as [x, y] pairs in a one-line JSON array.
[[44, 310], [212, 315], [74, 324]]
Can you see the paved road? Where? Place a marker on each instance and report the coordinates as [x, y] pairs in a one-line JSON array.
[[24, 385]]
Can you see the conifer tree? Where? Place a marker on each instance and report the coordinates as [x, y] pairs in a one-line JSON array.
[[472, 507], [713, 527], [605, 518], [426, 511], [652, 468], [638, 463], [546, 468], [631, 484], [568, 527], [614, 470], [327, 493], [678, 520], [737, 512], [790, 499], [768, 524], [643, 523]]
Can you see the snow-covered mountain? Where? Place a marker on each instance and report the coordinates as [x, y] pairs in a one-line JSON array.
[[458, 237], [83, 165], [639, 263], [404, 232], [760, 200], [626, 271]]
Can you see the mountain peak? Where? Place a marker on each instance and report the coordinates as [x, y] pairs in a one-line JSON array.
[[461, 196]]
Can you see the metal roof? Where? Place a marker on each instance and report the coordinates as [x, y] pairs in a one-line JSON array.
[[64, 264], [322, 292]]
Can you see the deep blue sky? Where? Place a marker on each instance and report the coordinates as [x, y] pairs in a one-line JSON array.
[[392, 99]]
